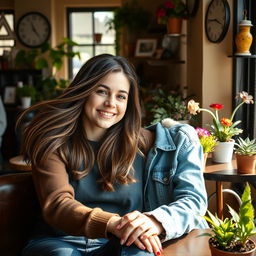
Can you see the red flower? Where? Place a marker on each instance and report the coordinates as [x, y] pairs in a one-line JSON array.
[[226, 122], [161, 13], [169, 5], [216, 106]]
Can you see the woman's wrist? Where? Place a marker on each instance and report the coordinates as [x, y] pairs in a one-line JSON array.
[[112, 224]]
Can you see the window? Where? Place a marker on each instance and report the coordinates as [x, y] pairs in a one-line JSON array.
[[83, 24], [6, 31]]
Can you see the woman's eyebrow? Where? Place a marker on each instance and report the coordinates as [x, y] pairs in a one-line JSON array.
[[107, 88]]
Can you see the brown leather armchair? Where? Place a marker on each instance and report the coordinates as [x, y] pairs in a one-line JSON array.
[[18, 210]]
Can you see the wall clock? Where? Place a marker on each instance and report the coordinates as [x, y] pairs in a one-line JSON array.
[[217, 19], [192, 6], [33, 29]]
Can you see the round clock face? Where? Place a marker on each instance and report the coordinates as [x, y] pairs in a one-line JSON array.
[[217, 20], [33, 29]]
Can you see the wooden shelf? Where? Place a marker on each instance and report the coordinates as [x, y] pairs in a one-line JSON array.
[[253, 56]]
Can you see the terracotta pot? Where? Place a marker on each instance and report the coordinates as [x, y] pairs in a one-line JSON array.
[[174, 25], [97, 38], [245, 164], [218, 252], [205, 159]]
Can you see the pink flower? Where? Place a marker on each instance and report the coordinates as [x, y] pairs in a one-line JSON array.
[[202, 132]]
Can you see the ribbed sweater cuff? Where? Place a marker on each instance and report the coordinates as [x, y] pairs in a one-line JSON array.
[[97, 223]]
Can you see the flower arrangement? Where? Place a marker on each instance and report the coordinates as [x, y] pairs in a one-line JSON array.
[[171, 9], [207, 140], [223, 129]]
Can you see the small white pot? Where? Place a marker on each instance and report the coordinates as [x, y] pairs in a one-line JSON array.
[[25, 102], [223, 152]]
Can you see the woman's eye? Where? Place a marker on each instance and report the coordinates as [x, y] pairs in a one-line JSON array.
[[122, 97], [100, 91]]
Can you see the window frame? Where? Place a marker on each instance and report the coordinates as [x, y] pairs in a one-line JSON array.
[[9, 11], [85, 9], [244, 76]]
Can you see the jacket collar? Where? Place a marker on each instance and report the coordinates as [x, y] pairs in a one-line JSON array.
[[163, 139]]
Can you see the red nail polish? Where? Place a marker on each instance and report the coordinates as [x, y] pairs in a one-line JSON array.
[[158, 253]]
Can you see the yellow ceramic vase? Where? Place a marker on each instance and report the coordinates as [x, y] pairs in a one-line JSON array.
[[244, 38]]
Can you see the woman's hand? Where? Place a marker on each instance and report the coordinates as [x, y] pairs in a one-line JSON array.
[[117, 226], [139, 228]]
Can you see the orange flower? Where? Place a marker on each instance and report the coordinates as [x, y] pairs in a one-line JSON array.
[[226, 122]]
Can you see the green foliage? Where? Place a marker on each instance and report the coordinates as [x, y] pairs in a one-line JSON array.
[[208, 143], [166, 105], [47, 57], [40, 58], [245, 147], [131, 16], [26, 91], [236, 229]]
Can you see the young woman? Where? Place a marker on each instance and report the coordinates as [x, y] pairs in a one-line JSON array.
[[105, 185]]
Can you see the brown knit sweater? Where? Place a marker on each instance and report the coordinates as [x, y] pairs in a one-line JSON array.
[[60, 209]]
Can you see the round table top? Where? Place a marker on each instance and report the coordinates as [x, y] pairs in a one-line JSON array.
[[226, 172], [17, 163]]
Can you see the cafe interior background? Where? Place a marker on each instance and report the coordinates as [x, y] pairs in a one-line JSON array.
[[188, 65]]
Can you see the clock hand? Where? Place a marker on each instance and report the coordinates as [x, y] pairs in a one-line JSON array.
[[34, 29], [214, 20]]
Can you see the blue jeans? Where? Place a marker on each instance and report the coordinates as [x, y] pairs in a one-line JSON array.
[[80, 246]]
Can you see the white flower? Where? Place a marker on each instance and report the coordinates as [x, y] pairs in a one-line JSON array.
[[168, 122], [248, 99], [193, 107]]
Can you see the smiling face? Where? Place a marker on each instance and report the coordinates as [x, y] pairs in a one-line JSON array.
[[107, 105]]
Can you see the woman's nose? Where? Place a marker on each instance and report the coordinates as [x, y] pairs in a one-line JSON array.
[[110, 102]]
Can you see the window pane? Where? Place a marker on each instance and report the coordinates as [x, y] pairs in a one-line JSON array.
[[7, 43], [100, 20], [86, 52], [81, 27], [99, 49]]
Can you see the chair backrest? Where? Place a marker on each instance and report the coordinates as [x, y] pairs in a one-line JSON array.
[[18, 210]]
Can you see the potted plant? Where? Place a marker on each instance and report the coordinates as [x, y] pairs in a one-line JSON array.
[[245, 151], [223, 129], [207, 141], [26, 93], [130, 16], [171, 13], [46, 57], [231, 236], [166, 104]]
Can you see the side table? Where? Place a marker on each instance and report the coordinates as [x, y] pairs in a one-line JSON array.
[[17, 163], [224, 173]]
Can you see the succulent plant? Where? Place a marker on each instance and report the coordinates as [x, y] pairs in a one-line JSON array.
[[245, 147]]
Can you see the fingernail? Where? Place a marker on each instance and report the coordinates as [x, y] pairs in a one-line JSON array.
[[128, 243], [142, 247], [121, 241], [158, 253]]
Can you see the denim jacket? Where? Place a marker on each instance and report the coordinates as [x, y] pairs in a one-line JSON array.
[[174, 190]]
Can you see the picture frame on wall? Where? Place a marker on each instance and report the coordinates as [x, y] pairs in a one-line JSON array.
[[145, 47], [10, 95]]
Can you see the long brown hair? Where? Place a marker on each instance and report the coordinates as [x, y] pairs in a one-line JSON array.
[[57, 127]]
